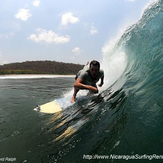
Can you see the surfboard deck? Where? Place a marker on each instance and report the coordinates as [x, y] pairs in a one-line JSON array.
[[50, 107]]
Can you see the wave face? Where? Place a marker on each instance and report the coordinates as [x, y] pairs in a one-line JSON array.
[[127, 116]]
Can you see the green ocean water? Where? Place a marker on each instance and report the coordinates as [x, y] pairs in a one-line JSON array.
[[20, 127], [121, 123]]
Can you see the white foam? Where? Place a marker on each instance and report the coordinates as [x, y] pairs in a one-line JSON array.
[[114, 63], [33, 76]]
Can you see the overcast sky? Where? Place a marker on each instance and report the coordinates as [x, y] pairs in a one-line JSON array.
[[71, 31]]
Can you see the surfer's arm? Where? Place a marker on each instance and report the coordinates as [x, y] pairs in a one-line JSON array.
[[102, 81], [78, 84]]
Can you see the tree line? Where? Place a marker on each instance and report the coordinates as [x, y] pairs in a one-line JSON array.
[[40, 67]]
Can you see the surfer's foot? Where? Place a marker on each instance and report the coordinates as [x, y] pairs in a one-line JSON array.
[[73, 99]]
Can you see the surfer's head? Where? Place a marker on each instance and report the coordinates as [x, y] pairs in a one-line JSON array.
[[94, 68]]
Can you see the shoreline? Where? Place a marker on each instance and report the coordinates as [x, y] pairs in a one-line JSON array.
[[33, 76]]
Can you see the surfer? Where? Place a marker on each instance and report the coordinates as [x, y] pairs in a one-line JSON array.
[[87, 78]]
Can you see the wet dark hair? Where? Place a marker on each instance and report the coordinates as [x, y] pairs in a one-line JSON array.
[[95, 63]]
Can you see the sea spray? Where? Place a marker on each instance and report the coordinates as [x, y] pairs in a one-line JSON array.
[[114, 62]]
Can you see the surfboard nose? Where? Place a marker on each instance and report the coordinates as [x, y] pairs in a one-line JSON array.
[[50, 107], [37, 108]]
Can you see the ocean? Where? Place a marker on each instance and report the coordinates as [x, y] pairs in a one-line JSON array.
[[121, 123]]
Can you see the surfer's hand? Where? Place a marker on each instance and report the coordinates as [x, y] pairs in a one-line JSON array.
[[100, 85], [93, 89]]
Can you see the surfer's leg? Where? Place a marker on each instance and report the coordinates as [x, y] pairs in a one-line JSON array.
[[73, 99]]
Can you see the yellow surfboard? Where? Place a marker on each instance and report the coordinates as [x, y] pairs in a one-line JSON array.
[[50, 107]]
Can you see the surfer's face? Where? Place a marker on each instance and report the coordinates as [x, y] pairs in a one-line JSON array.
[[94, 71]]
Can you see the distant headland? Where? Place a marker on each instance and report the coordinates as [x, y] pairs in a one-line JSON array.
[[40, 67]]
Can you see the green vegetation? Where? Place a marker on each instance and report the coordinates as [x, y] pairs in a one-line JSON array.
[[40, 67]]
